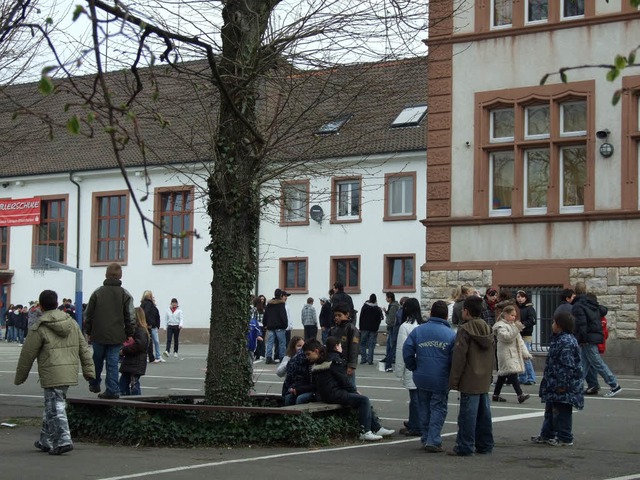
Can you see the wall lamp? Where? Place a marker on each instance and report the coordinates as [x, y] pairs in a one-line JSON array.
[[606, 149]]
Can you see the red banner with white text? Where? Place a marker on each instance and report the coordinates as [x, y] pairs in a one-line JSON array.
[[19, 211]]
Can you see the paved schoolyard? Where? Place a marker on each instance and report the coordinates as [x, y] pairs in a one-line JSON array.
[[606, 445]]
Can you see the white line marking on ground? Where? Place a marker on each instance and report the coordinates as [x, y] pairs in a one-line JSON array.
[[20, 396], [626, 477], [298, 453], [187, 389]]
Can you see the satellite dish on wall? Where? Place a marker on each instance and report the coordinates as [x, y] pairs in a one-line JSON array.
[[316, 213]]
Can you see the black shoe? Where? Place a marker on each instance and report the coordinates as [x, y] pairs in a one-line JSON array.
[[268, 361], [41, 447], [498, 398], [592, 391], [523, 398], [61, 449], [362, 362], [370, 363], [106, 396], [94, 388]]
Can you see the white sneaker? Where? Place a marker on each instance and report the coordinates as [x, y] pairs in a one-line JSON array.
[[175, 354], [160, 360], [370, 437], [165, 354], [156, 361], [385, 432]]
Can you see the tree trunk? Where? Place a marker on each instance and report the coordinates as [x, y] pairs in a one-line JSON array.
[[234, 203]]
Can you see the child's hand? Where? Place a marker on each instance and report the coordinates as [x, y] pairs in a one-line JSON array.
[[350, 371]]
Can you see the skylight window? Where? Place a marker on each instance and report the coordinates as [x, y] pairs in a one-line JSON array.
[[410, 117], [334, 125]]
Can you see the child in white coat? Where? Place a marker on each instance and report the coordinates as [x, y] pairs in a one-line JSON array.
[[511, 352]]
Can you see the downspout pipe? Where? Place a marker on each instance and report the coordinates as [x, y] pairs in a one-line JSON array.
[[78, 299]]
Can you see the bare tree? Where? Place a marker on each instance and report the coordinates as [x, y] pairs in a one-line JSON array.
[[245, 64]]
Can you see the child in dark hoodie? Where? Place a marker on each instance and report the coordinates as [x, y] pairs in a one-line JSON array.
[[333, 386], [471, 370]]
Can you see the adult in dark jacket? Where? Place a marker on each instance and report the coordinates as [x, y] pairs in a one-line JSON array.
[[110, 320], [588, 332], [134, 361], [489, 306], [528, 318], [332, 384], [152, 316], [370, 318], [275, 323]]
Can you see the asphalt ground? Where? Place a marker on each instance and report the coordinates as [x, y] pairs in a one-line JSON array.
[[607, 437]]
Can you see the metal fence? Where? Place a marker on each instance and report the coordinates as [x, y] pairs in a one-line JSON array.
[[545, 300]]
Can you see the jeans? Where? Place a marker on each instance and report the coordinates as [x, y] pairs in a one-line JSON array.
[[592, 360], [106, 353], [154, 346], [129, 384], [415, 422], [55, 426], [390, 359], [291, 399], [368, 420], [529, 375], [325, 335], [310, 331], [11, 333], [173, 332], [271, 335], [20, 335], [474, 425], [557, 421], [367, 346], [433, 413]]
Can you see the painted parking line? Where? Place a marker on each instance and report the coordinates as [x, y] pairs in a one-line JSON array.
[[298, 453]]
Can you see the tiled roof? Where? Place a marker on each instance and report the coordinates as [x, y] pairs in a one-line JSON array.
[[292, 110]]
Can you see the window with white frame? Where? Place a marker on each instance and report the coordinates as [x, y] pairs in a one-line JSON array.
[[501, 13], [295, 203], [346, 196], [573, 176], [537, 10], [536, 180], [572, 8], [400, 196], [501, 182], [502, 125], [529, 150]]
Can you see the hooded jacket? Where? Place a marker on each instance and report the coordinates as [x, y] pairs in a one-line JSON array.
[[370, 317], [472, 362], [511, 350], [56, 341], [588, 312], [528, 317], [275, 315], [427, 352]]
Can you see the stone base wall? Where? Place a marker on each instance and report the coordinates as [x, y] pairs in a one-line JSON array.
[[618, 288]]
